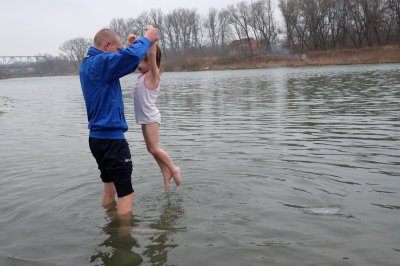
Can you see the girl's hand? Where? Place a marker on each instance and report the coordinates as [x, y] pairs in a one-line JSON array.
[[130, 40], [151, 33]]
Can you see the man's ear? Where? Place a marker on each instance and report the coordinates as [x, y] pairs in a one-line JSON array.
[[106, 45]]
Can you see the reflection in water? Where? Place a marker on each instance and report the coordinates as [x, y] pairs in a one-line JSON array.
[[121, 248], [117, 249], [162, 243]]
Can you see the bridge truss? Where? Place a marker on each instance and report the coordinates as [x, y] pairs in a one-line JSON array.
[[21, 61]]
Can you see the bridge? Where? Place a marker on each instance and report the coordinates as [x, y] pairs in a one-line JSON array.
[[21, 61]]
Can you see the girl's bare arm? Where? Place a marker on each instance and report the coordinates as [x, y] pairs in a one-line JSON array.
[[153, 76]]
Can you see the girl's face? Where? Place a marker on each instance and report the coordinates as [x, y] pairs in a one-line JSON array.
[[144, 66]]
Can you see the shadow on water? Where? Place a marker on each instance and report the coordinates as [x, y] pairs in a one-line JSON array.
[[122, 247]]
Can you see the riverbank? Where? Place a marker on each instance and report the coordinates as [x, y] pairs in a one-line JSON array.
[[371, 55]]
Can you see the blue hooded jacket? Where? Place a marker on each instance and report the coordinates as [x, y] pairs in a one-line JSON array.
[[99, 76]]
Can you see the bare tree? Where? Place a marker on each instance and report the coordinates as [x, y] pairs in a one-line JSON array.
[[290, 18], [240, 20], [224, 30], [356, 27], [322, 24], [295, 23], [182, 29], [315, 14], [124, 27], [263, 23], [196, 29], [373, 17], [394, 8], [75, 50], [212, 27], [337, 23], [190, 28], [141, 22], [366, 18], [157, 19], [118, 25], [172, 30]]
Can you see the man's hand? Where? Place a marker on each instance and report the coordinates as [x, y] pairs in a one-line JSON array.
[[151, 33]]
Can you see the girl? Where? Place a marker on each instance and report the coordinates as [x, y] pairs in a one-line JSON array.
[[148, 116]]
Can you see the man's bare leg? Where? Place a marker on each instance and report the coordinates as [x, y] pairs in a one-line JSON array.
[[125, 204], [109, 194]]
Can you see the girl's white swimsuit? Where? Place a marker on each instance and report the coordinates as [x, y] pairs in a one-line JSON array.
[[145, 99]]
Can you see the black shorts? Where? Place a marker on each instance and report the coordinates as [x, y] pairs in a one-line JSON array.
[[114, 161]]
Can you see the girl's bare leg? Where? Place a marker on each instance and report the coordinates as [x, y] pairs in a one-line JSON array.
[[165, 172], [151, 136]]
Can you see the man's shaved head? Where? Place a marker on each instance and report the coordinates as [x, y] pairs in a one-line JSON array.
[[105, 35]]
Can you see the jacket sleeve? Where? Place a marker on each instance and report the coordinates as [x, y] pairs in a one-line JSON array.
[[123, 62]]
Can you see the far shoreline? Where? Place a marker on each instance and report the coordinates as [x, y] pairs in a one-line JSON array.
[[363, 56], [372, 55]]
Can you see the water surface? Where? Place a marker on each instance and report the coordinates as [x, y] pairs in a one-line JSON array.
[[280, 166]]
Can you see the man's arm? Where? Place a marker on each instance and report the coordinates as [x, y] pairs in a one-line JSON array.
[[123, 62], [112, 66]]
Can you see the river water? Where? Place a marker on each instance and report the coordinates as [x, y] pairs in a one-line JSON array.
[[285, 166]]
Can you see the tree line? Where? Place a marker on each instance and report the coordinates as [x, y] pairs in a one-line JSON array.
[[184, 31], [250, 28], [326, 24], [308, 25]]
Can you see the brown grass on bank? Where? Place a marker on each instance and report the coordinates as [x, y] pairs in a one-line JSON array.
[[370, 55]]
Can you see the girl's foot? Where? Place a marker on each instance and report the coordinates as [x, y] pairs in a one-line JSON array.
[[176, 175], [167, 178], [167, 181]]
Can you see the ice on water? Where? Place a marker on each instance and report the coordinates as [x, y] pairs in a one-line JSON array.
[[323, 210]]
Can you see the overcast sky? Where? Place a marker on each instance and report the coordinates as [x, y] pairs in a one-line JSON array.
[[31, 27]]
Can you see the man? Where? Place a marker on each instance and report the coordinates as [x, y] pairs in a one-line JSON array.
[[100, 71]]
